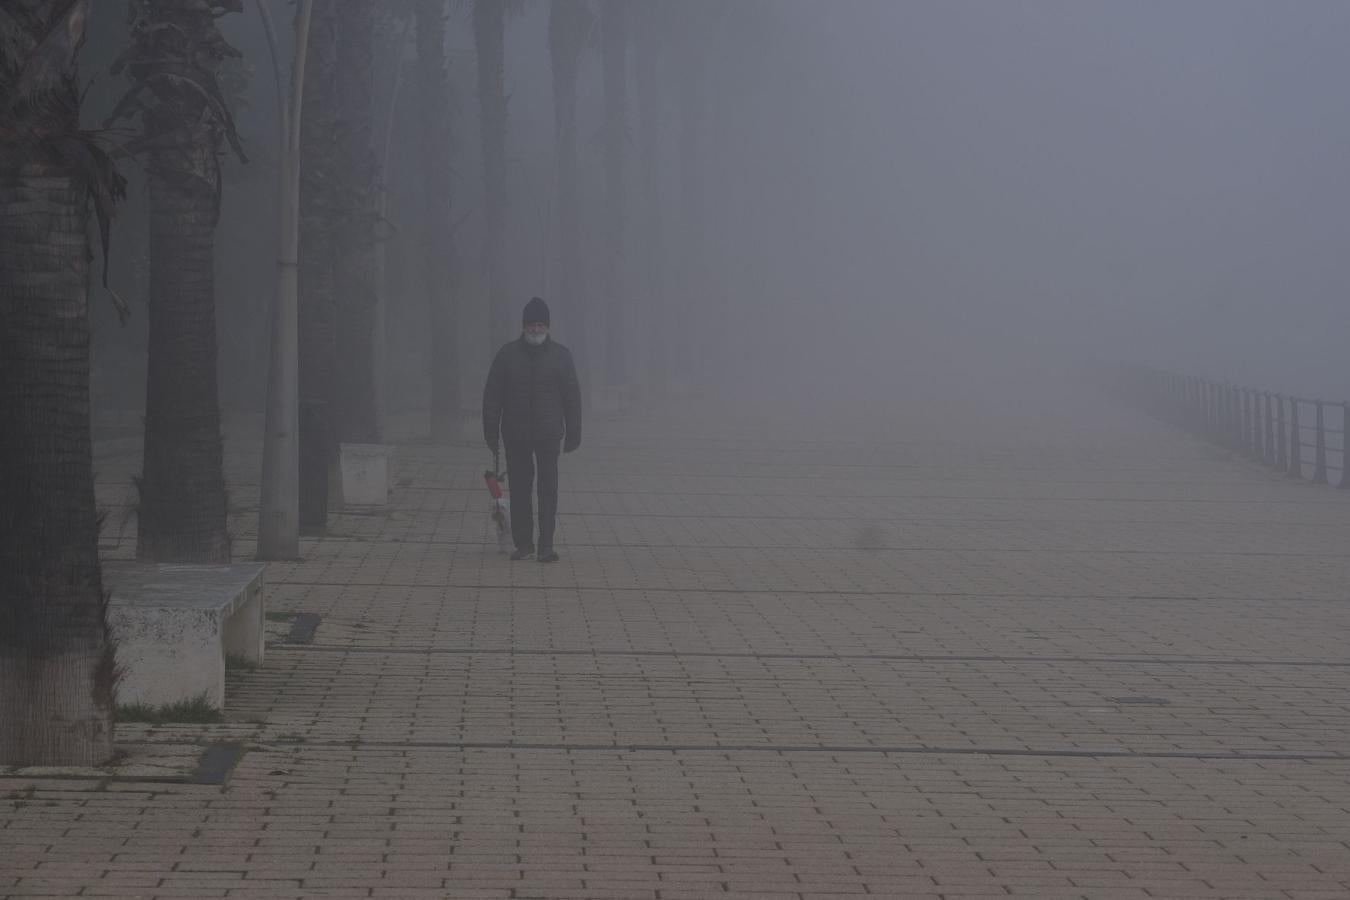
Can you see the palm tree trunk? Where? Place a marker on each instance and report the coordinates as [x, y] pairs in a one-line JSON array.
[[55, 656], [182, 515], [693, 113], [56, 661], [172, 61], [649, 100], [437, 251], [382, 233], [356, 415], [614, 49], [569, 21], [489, 30], [319, 204], [56, 664]]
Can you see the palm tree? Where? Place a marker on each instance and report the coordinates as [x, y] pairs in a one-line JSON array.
[[172, 62], [614, 54], [396, 22], [693, 115], [320, 201], [438, 250], [648, 40], [570, 24], [355, 413], [56, 662], [489, 37]]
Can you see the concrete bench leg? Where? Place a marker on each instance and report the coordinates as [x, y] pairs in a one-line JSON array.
[[171, 656], [244, 637], [174, 625]]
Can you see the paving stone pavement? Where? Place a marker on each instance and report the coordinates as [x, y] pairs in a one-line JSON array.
[[971, 653]]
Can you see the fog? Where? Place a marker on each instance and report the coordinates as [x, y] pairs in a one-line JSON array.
[[961, 500], [892, 193]]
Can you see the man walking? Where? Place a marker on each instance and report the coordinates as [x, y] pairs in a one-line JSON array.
[[533, 401]]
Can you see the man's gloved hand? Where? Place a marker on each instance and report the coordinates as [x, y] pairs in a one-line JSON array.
[[570, 445]]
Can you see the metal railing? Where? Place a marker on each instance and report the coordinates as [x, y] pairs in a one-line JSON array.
[[1286, 433]]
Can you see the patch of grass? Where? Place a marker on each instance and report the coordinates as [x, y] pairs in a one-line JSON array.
[[239, 664], [198, 711]]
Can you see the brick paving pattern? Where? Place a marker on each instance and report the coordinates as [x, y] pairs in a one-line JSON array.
[[972, 655]]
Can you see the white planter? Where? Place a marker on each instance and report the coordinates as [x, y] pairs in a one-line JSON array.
[[367, 474]]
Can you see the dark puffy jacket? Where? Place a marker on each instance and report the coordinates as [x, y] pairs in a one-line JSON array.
[[532, 395]]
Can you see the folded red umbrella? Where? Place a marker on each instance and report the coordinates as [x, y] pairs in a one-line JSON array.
[[501, 509]]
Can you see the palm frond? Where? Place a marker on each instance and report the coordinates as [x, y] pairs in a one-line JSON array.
[[51, 62], [81, 151], [175, 54], [39, 113], [16, 42]]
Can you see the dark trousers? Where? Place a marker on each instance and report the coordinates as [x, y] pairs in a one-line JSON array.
[[522, 461]]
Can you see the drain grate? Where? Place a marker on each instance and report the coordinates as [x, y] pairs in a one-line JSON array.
[[1140, 701], [217, 762], [303, 627]]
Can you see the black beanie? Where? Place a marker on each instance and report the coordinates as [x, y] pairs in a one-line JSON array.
[[535, 311]]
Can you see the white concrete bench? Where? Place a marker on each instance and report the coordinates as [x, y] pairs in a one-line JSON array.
[[175, 625]]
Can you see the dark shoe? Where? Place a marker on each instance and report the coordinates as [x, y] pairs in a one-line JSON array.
[[522, 553], [547, 555]]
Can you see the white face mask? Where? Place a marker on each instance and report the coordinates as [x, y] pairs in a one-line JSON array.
[[535, 338]]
